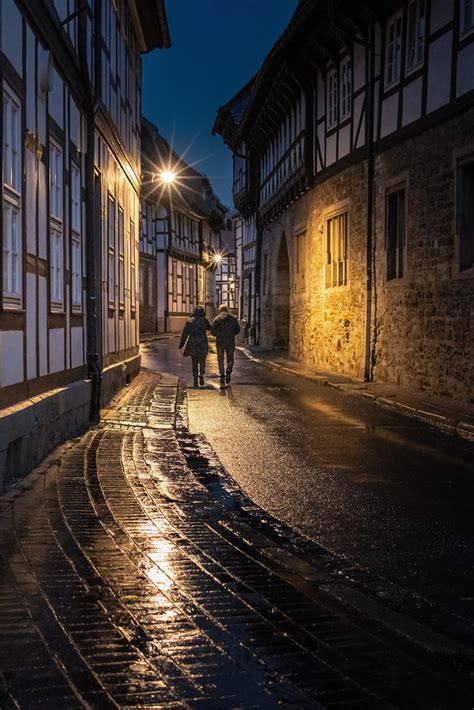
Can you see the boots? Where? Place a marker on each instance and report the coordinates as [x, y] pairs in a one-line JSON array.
[[196, 383], [201, 380]]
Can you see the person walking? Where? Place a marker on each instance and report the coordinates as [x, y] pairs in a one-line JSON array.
[[194, 341], [225, 327]]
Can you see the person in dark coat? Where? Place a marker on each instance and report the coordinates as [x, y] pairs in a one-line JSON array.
[[225, 327], [194, 341]]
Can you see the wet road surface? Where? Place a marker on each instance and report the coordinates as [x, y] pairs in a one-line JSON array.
[[133, 575], [385, 492]]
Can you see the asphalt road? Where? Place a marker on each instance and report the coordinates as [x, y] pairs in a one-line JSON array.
[[386, 492]]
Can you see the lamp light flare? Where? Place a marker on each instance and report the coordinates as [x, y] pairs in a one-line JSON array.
[[167, 176]]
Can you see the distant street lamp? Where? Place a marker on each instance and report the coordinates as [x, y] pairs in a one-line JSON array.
[[216, 258]]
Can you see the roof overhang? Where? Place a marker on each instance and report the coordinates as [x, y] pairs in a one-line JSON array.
[[150, 24]]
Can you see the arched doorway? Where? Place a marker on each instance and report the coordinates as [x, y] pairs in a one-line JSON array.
[[281, 297]]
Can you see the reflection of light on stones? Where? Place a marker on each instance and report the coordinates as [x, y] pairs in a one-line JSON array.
[[161, 573]]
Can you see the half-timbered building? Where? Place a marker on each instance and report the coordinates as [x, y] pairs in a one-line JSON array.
[[180, 242], [357, 137], [71, 78]]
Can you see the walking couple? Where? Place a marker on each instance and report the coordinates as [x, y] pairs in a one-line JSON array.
[[194, 340]]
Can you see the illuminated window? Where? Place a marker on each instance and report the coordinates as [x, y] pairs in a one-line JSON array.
[[415, 33], [336, 249], [395, 232], [394, 43]]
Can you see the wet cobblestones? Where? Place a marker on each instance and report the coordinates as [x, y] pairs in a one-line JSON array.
[[122, 584]]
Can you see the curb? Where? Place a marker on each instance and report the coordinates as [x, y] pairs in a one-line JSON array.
[[460, 428]]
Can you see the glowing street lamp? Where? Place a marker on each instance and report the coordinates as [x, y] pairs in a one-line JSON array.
[[167, 177]]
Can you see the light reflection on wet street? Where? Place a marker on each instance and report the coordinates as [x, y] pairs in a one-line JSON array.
[[133, 572]]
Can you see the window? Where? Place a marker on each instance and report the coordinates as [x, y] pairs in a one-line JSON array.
[[56, 230], [395, 229], [394, 39], [76, 255], [465, 216], [336, 250], [111, 250], [133, 276], [346, 89], [332, 98], [141, 283], [467, 16], [121, 250], [415, 33], [12, 200]]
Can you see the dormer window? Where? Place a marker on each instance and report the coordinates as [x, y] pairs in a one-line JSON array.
[[415, 33], [394, 44]]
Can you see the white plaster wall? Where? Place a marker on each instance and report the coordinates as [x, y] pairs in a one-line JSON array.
[[43, 325], [30, 80], [56, 100], [441, 14], [77, 347], [30, 326], [30, 201], [56, 349], [439, 72], [12, 40], [465, 74], [331, 149], [344, 141], [389, 115], [412, 101], [11, 360]]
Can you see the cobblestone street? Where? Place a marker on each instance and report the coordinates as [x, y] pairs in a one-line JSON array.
[[133, 574]]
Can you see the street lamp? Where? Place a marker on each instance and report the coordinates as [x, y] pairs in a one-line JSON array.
[[167, 176]]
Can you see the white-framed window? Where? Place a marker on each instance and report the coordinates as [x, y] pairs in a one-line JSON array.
[[12, 200], [121, 255], [336, 249], [467, 16], [56, 224], [346, 88], [111, 250], [133, 274], [394, 47], [76, 240], [332, 100], [415, 33], [395, 232]]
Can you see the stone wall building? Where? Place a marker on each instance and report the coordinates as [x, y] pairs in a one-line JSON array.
[[180, 237], [358, 142], [71, 78]]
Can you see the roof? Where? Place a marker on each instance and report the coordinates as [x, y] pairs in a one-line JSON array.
[[150, 24], [230, 115], [158, 155]]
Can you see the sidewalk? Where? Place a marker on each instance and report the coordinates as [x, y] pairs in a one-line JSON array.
[[447, 414], [131, 575]]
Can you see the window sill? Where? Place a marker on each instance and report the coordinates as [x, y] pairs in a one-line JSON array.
[[464, 274], [12, 308], [396, 283]]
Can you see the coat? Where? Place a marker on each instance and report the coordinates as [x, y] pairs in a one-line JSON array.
[[195, 333], [225, 327]]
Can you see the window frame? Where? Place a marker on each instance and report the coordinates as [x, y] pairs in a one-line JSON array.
[[463, 30], [111, 238], [76, 237], [345, 89], [121, 255], [401, 250], [417, 64], [336, 213], [332, 98], [56, 226], [12, 259], [392, 22]]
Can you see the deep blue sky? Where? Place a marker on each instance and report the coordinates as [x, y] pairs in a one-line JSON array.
[[216, 47]]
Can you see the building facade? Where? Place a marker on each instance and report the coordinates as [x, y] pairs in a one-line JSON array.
[[180, 241], [357, 138], [71, 79]]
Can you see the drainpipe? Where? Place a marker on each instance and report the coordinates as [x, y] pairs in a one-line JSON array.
[[370, 201], [93, 241]]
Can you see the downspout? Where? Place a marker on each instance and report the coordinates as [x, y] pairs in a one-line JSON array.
[[93, 240], [370, 200]]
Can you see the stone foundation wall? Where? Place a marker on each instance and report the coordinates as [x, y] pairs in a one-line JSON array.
[[423, 330]]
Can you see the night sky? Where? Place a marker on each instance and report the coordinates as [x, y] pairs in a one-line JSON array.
[[216, 47]]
